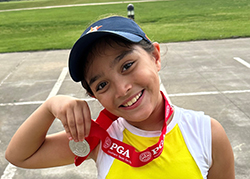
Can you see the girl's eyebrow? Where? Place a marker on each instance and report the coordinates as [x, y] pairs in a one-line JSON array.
[[113, 63], [120, 57], [93, 79]]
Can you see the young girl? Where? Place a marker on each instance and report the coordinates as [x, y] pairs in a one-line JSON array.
[[140, 135]]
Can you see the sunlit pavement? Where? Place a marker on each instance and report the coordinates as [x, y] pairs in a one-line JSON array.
[[209, 76]]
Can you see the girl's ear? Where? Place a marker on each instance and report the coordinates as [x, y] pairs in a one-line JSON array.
[[157, 55]]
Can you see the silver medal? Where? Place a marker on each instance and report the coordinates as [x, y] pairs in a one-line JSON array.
[[80, 149]]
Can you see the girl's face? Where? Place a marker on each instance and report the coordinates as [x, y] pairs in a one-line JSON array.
[[126, 82]]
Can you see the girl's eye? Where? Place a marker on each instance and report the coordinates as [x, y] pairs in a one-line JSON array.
[[101, 85], [127, 66]]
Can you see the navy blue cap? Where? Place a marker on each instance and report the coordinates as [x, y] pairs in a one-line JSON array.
[[116, 25]]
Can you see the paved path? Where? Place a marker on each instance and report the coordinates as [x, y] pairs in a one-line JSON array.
[[212, 76], [76, 5]]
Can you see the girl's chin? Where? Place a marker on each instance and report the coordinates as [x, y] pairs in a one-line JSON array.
[[137, 116]]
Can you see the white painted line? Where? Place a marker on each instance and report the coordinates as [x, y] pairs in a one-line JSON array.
[[161, 88], [77, 5], [5, 78], [9, 172], [59, 82], [11, 71], [239, 147], [21, 103], [194, 94], [236, 91], [208, 93], [36, 102], [243, 62]]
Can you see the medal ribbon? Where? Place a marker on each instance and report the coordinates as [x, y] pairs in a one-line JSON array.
[[123, 151]]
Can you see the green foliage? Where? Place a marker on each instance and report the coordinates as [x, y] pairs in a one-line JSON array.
[[15, 4], [163, 21]]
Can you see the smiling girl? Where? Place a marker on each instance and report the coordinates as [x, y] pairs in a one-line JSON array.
[[144, 136]]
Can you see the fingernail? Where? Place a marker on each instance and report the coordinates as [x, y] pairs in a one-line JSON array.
[[70, 138]]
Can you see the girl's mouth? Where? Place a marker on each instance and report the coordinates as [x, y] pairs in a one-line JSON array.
[[134, 100]]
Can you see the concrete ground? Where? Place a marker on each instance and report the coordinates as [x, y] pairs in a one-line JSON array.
[[211, 76]]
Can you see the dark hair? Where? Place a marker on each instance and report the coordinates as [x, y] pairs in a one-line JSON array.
[[108, 40]]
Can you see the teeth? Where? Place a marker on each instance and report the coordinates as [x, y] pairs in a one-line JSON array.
[[132, 101]]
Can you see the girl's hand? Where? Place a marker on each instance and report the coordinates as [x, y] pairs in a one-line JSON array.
[[74, 115]]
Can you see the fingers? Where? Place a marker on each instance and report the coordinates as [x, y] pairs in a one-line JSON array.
[[83, 120], [71, 124], [76, 120], [87, 123], [66, 127]]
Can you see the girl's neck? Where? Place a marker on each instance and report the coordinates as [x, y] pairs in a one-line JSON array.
[[155, 121]]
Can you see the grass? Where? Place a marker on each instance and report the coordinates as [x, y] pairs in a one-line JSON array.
[[163, 21], [42, 3]]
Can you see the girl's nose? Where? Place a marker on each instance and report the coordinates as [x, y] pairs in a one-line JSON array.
[[122, 86]]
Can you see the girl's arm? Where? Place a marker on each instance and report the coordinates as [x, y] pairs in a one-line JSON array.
[[31, 148], [222, 154]]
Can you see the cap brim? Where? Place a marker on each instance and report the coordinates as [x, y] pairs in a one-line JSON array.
[[79, 48]]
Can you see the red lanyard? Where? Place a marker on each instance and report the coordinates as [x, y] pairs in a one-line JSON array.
[[120, 150]]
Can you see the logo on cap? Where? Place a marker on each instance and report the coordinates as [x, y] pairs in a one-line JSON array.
[[93, 29]]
